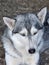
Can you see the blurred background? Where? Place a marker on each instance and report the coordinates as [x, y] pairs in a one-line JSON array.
[[11, 8]]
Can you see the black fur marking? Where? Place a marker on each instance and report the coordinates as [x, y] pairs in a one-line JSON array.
[[26, 21]]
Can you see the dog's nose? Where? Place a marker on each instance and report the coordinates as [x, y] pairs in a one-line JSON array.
[[31, 51]]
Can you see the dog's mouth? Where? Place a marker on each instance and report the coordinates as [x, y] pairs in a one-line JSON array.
[[23, 64]]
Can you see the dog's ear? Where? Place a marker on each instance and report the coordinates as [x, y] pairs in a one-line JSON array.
[[9, 22], [42, 14]]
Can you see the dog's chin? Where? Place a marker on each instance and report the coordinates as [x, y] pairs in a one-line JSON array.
[[26, 64], [32, 59]]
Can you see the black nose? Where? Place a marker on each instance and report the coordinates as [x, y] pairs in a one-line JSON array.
[[31, 51]]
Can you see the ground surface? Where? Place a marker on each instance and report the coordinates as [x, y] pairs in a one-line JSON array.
[[13, 7]]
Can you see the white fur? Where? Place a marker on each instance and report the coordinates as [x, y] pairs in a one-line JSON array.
[[24, 31], [33, 30], [21, 47], [42, 14], [28, 59], [9, 22]]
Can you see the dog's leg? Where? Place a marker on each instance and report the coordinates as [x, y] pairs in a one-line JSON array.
[[9, 47], [10, 54], [10, 60]]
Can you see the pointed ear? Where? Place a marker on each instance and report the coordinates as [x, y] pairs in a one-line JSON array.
[[9, 22], [42, 14]]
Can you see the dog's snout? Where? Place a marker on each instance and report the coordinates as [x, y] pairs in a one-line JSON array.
[[31, 50]]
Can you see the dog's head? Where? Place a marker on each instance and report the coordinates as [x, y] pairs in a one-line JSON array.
[[26, 30]]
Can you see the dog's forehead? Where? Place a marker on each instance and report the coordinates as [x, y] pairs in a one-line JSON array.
[[32, 18], [26, 21]]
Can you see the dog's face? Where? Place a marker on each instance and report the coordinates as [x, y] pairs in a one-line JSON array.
[[27, 30]]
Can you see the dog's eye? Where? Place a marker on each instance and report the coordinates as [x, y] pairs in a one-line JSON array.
[[23, 34], [35, 33], [14, 32]]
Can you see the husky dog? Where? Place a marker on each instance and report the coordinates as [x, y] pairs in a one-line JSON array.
[[24, 38]]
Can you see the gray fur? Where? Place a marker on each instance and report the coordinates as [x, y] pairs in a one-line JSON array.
[[27, 21], [37, 36]]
